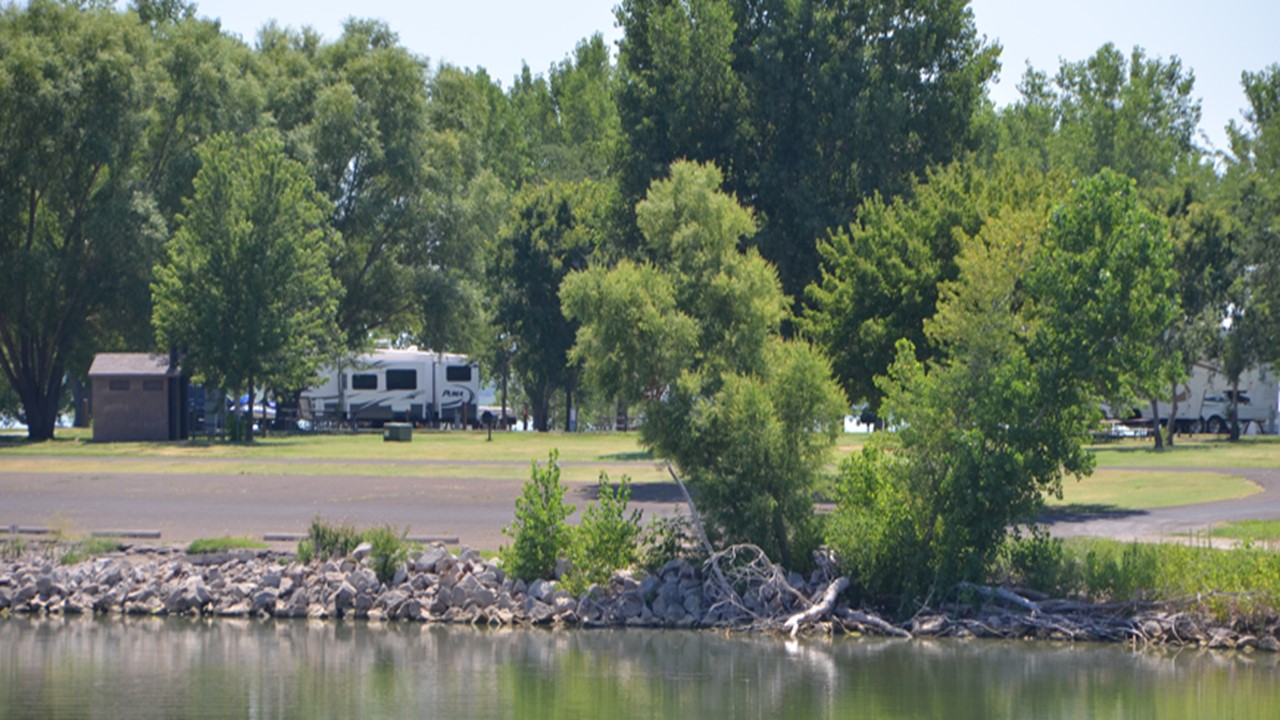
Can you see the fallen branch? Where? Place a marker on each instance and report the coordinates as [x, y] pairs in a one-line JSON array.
[[1000, 593], [847, 615], [823, 607], [693, 511]]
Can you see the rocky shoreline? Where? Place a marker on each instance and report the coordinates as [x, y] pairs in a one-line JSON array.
[[435, 585]]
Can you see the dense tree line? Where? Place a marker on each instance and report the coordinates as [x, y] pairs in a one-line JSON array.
[[754, 214]]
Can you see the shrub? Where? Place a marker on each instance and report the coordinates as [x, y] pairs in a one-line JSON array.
[[1037, 561], [389, 551], [665, 539], [325, 540], [605, 540], [874, 531], [539, 534]]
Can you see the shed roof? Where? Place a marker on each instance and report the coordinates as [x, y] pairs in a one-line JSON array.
[[105, 364]]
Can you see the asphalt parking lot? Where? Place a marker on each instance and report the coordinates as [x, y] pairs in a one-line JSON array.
[[184, 507], [456, 509]]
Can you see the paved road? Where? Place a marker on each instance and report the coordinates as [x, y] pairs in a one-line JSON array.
[[1164, 522], [184, 507]]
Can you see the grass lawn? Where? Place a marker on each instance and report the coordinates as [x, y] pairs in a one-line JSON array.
[[430, 445], [1199, 451], [1132, 489], [1250, 531], [578, 471], [1130, 474], [441, 454]]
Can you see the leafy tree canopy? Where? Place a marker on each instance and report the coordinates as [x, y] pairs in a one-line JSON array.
[[245, 290], [810, 108], [77, 229], [692, 332], [1049, 314], [1254, 189]]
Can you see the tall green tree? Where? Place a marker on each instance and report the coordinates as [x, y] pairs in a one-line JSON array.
[[881, 275], [583, 90], [553, 231], [206, 82], [809, 107], [469, 191], [693, 333], [1050, 314], [77, 229], [1254, 188], [1206, 244], [679, 95], [1134, 114], [369, 140], [246, 291], [355, 111], [567, 122]]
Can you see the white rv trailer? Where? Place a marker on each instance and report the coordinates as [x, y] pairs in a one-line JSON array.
[[417, 386], [1204, 401]]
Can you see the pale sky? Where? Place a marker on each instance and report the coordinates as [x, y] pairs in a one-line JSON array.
[[1217, 40]]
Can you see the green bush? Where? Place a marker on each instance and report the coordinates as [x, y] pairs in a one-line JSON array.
[[1037, 561], [665, 539], [539, 534], [874, 532], [325, 540], [389, 551], [605, 540]]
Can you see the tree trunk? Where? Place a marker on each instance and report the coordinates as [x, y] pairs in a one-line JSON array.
[[42, 414], [1173, 413], [506, 375], [569, 421], [780, 537], [621, 423], [80, 403], [541, 410], [40, 396], [1155, 425], [1235, 410]]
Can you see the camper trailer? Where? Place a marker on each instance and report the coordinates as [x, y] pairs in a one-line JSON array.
[[416, 386], [1205, 399]]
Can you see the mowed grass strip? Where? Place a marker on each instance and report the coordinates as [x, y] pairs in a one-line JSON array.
[[1249, 531], [458, 445], [1135, 489], [1199, 451], [584, 472]]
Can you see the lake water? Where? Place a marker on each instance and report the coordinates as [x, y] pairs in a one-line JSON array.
[[176, 668]]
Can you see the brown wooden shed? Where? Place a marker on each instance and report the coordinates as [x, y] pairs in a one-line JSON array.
[[137, 396]]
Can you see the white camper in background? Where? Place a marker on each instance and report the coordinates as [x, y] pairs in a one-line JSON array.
[[1204, 401], [417, 386]]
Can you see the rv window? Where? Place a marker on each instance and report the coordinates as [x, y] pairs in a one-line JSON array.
[[364, 381], [152, 385], [118, 384], [402, 379], [458, 373]]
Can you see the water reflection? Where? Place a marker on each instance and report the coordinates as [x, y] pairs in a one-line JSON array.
[[139, 668]]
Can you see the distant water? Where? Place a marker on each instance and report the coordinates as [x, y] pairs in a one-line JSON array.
[[183, 668]]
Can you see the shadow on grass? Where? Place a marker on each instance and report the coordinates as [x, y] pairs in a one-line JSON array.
[[1201, 446], [628, 456], [18, 439], [1084, 512]]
